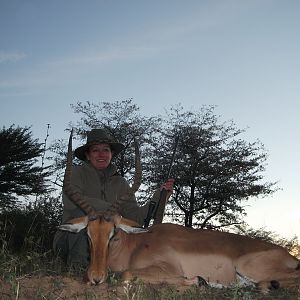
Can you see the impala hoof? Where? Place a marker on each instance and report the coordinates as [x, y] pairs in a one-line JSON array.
[[201, 281], [274, 285]]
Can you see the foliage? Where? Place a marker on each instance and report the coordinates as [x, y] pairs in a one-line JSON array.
[[31, 227], [19, 174], [215, 170]]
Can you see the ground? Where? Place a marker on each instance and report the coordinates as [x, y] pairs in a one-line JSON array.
[[51, 287], [64, 287]]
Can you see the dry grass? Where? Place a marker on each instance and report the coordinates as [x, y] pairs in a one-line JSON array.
[[41, 284]]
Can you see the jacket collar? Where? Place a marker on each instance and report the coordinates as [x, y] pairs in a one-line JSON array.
[[111, 170]]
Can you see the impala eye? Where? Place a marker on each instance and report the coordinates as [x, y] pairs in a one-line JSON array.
[[93, 217], [107, 218]]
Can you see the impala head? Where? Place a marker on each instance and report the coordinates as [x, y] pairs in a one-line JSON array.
[[100, 225], [100, 229]]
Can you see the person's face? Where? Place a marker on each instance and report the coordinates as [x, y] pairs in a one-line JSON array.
[[99, 155]]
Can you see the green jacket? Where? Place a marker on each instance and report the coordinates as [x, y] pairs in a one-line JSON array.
[[101, 189]]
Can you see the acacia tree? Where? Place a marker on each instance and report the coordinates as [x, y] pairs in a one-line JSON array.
[[215, 170], [19, 174]]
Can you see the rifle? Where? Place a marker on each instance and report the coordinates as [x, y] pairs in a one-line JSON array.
[[153, 206]]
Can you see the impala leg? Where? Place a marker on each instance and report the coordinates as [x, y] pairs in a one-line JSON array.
[[158, 274], [289, 280], [271, 269]]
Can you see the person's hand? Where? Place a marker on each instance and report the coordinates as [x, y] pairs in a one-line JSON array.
[[168, 185]]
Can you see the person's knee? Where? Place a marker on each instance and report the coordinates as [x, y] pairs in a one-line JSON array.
[[60, 245]]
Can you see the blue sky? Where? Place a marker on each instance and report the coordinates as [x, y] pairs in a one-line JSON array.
[[242, 56]]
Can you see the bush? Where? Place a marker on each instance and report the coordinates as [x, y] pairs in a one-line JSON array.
[[31, 227]]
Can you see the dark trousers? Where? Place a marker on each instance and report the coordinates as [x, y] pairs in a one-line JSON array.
[[73, 248]]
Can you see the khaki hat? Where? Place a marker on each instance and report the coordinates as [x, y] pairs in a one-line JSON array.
[[98, 136]]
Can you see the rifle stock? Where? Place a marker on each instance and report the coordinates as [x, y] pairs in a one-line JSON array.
[[160, 207], [150, 213], [156, 209]]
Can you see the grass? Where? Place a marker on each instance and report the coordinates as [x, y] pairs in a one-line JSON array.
[[31, 275]]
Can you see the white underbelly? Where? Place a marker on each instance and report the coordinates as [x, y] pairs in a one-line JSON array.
[[212, 268]]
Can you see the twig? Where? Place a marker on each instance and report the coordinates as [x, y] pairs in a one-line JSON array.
[[18, 288]]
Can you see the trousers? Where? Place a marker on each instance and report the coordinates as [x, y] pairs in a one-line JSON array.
[[73, 248]]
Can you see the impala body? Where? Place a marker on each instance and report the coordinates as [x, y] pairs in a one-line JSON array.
[[179, 255]]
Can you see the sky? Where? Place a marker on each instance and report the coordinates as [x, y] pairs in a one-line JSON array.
[[241, 56]]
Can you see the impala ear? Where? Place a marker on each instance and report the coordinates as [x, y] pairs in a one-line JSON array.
[[130, 229], [75, 225], [127, 225], [119, 220]]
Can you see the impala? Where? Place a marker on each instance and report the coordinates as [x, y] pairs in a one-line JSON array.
[[176, 254]]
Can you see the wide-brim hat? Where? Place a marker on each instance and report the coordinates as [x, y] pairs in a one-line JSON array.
[[98, 136]]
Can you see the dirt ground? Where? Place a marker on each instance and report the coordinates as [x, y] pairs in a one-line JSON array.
[[54, 287], [62, 287], [65, 288]]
